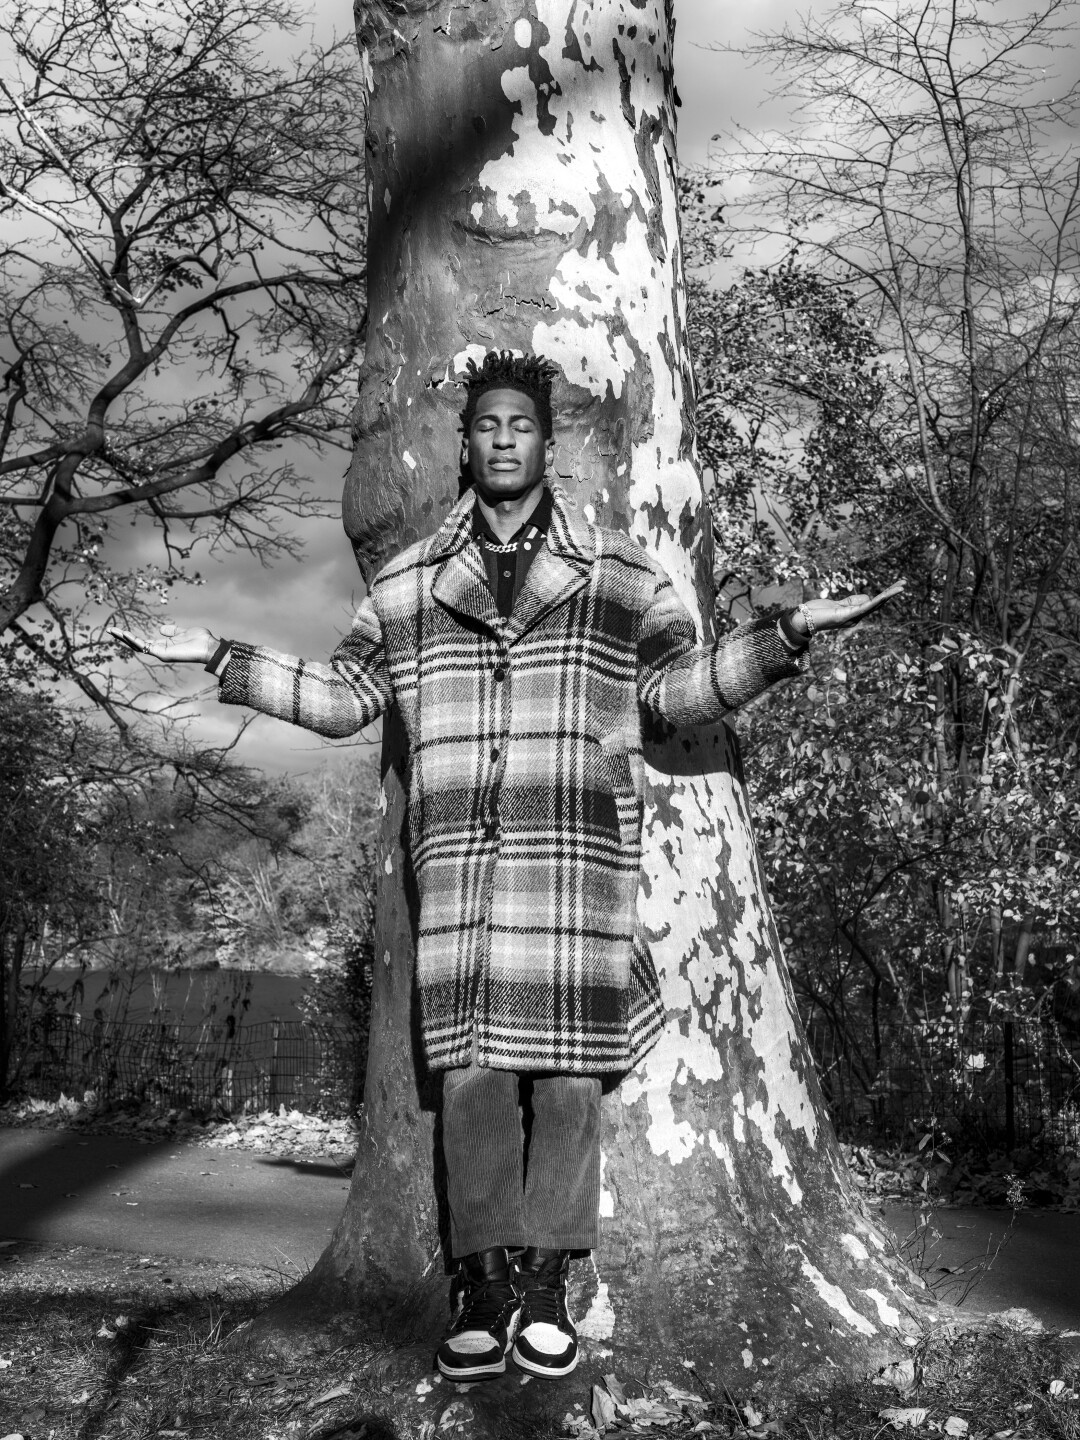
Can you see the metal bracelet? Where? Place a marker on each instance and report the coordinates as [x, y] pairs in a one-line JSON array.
[[808, 620]]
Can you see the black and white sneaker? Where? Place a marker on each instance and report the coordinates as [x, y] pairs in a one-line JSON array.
[[483, 1328], [546, 1342]]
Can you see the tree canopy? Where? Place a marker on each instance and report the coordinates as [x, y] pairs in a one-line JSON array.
[[182, 284], [895, 393]]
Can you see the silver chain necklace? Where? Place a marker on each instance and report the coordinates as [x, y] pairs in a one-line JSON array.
[[511, 547]]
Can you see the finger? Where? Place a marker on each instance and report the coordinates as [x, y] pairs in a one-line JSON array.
[[860, 606], [882, 598], [896, 588], [872, 602], [129, 640]]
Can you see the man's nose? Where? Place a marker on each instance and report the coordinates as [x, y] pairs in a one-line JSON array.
[[504, 439]]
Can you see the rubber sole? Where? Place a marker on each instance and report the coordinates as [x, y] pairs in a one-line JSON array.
[[480, 1372], [545, 1372]]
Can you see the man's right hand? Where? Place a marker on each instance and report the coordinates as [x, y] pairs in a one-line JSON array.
[[174, 646]]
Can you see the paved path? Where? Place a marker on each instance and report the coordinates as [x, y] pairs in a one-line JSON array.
[[1036, 1269], [164, 1198], [190, 1202]]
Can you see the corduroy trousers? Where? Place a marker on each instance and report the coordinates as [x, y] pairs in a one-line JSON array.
[[497, 1194]]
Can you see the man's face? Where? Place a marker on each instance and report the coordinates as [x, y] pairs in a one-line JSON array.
[[505, 449]]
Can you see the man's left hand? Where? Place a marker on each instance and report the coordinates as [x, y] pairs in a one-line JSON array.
[[840, 614]]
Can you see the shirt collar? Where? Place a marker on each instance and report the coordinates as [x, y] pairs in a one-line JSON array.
[[540, 519], [568, 537]]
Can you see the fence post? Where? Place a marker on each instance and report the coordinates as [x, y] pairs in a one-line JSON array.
[[276, 1032], [1010, 1100]]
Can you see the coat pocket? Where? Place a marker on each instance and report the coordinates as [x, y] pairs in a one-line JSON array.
[[627, 801], [644, 1003]]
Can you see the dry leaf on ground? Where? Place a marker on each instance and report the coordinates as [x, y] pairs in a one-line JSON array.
[[603, 1408], [335, 1394], [901, 1375], [912, 1417]]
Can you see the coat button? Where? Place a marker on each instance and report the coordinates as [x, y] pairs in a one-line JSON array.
[[494, 752], [500, 672]]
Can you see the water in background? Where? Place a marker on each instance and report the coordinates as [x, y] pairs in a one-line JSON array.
[[180, 996]]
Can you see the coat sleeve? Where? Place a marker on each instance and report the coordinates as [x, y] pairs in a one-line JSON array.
[[688, 684], [335, 699]]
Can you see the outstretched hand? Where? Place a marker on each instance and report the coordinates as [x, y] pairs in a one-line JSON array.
[[839, 614], [174, 647]]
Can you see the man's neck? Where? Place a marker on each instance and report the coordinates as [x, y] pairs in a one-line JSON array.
[[506, 517]]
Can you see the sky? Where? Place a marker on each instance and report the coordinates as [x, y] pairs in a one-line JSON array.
[[715, 88]]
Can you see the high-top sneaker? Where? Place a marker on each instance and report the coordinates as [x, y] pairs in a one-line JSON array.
[[484, 1325], [546, 1342]]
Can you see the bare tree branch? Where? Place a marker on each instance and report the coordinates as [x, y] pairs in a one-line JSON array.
[[190, 295]]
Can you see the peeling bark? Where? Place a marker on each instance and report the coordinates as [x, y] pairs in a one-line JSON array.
[[522, 194]]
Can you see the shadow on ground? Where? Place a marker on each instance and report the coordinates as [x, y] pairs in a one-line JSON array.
[[166, 1198]]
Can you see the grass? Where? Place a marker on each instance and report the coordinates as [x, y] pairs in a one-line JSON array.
[[103, 1348], [99, 1346], [127, 1357], [996, 1380]]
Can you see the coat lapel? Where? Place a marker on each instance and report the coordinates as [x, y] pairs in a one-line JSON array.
[[560, 570], [550, 581], [460, 583], [461, 586]]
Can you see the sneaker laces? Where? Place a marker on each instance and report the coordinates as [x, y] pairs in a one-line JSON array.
[[544, 1292], [543, 1305], [484, 1305]]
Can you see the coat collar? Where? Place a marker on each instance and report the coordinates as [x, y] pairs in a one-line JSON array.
[[567, 535], [559, 570]]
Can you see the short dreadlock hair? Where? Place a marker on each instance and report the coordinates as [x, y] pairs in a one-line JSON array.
[[503, 370]]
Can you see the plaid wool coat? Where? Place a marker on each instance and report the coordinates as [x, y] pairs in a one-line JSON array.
[[525, 775]]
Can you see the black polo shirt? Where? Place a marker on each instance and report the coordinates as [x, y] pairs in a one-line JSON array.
[[507, 562]]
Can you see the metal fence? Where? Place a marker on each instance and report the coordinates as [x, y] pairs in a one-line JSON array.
[[997, 1083], [224, 1066]]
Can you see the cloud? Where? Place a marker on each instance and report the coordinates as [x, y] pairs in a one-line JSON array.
[[719, 89]]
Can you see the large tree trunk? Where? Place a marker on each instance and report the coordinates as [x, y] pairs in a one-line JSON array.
[[522, 194]]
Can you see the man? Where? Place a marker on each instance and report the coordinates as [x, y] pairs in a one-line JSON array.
[[521, 646]]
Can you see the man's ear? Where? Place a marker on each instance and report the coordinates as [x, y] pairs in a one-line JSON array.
[[549, 454]]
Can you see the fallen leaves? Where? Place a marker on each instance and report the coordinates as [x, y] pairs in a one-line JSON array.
[[279, 1132], [658, 1407], [338, 1392], [916, 1416], [968, 1178], [913, 1416], [901, 1375], [455, 1418]]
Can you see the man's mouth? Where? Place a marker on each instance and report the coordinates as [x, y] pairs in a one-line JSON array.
[[503, 464]]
